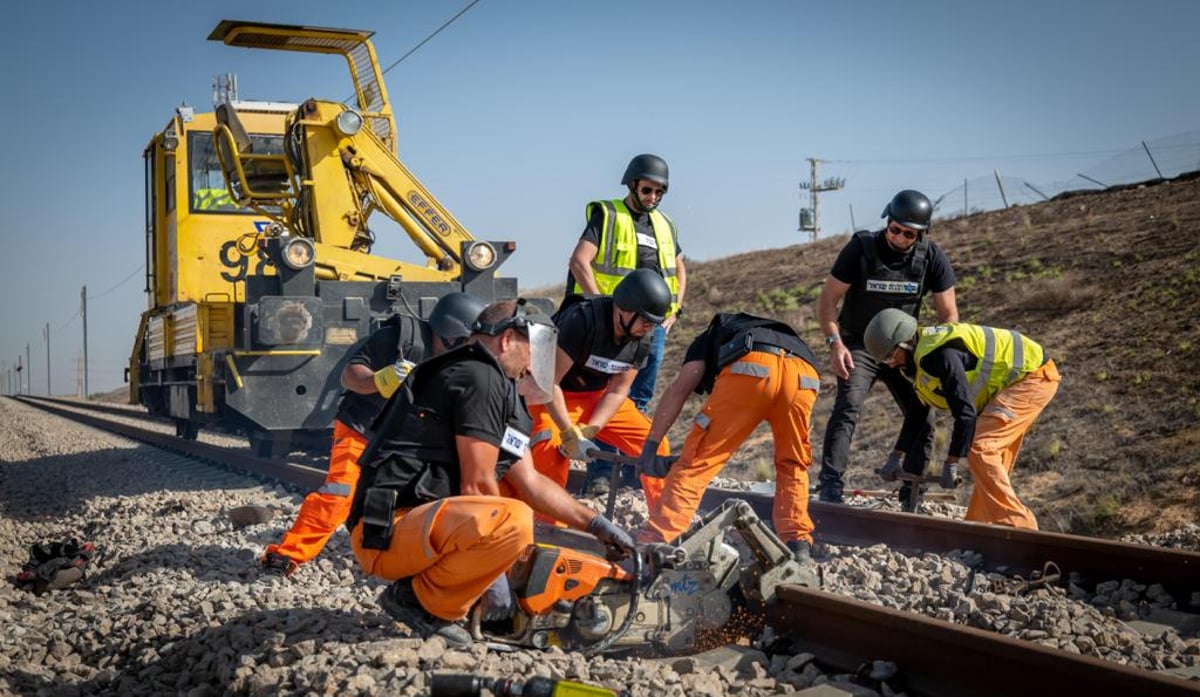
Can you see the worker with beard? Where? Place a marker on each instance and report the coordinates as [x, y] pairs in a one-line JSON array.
[[370, 377], [448, 490], [893, 267]]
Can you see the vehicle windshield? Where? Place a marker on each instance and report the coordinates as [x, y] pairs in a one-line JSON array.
[[207, 184]]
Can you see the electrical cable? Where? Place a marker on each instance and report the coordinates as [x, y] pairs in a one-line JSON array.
[[424, 41]]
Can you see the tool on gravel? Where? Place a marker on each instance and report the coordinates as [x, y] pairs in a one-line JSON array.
[[922, 479], [448, 685], [666, 598]]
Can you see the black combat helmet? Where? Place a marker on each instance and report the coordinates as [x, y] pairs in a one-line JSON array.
[[647, 166], [644, 292], [453, 316], [909, 208]]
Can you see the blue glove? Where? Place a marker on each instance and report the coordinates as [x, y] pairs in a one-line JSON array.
[[950, 478], [619, 542], [497, 601], [892, 468], [651, 464]]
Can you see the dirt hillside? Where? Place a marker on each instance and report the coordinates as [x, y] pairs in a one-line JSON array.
[[1108, 282]]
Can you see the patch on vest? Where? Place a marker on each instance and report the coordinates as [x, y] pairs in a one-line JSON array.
[[514, 442], [901, 287], [608, 365], [645, 240]]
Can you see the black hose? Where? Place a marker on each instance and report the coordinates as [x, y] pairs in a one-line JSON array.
[[634, 596]]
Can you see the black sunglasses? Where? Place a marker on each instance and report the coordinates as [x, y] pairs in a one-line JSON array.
[[903, 232], [648, 190]]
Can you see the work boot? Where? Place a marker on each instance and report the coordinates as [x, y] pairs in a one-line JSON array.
[[598, 487], [910, 500], [400, 601], [276, 564], [829, 493], [801, 551]]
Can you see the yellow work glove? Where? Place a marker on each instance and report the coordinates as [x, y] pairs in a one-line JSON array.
[[577, 441], [388, 379]]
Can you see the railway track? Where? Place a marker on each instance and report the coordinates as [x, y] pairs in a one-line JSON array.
[[934, 657]]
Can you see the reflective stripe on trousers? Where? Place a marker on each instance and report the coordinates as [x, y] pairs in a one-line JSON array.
[[328, 507], [999, 432], [759, 387]]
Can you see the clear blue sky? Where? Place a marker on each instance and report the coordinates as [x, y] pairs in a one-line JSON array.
[[523, 110]]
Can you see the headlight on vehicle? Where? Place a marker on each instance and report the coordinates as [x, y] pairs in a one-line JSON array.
[[481, 256], [298, 253], [349, 122]]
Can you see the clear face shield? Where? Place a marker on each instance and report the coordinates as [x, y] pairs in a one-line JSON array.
[[538, 385]]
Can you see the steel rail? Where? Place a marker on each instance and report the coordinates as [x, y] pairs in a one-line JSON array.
[[302, 476], [940, 659], [1009, 550], [935, 658]]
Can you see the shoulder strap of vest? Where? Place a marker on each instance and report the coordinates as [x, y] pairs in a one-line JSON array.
[[920, 260]]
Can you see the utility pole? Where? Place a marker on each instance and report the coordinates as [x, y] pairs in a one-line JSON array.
[[20, 382], [83, 309], [47, 359], [812, 221], [29, 375]]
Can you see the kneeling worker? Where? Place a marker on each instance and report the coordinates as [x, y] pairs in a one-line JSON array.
[[429, 513], [756, 370], [995, 382], [370, 377]]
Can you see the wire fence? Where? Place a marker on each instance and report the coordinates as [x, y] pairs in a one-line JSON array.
[[1164, 158]]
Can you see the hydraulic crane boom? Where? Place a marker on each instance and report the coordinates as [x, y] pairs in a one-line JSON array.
[[339, 167]]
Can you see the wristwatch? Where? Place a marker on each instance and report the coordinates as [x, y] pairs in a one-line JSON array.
[[679, 311], [832, 339]]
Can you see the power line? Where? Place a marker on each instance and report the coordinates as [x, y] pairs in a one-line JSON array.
[[122, 282], [424, 41]]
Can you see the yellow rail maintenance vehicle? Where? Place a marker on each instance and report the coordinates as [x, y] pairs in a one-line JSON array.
[[260, 276]]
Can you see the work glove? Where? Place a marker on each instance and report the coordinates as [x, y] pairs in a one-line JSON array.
[[497, 601], [577, 441], [388, 378], [892, 467], [651, 464], [950, 478], [619, 543]]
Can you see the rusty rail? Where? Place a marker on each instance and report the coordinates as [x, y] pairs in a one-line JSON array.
[[940, 659]]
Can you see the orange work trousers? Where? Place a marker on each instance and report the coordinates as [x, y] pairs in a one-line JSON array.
[[328, 507], [454, 548], [999, 432], [760, 386], [626, 431]]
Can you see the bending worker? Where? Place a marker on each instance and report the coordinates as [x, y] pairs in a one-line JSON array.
[[994, 382], [756, 370], [893, 267], [369, 378], [602, 343], [429, 513]]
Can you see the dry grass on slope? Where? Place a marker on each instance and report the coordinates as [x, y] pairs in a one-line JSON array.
[[1109, 283]]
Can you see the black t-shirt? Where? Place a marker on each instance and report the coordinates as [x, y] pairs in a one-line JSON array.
[[585, 333], [469, 398], [399, 335], [939, 275]]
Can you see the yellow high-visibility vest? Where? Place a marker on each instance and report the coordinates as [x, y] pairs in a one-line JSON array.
[[1003, 357], [211, 199], [618, 252]]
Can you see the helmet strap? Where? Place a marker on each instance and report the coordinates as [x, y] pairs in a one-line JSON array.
[[633, 202], [627, 325]]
